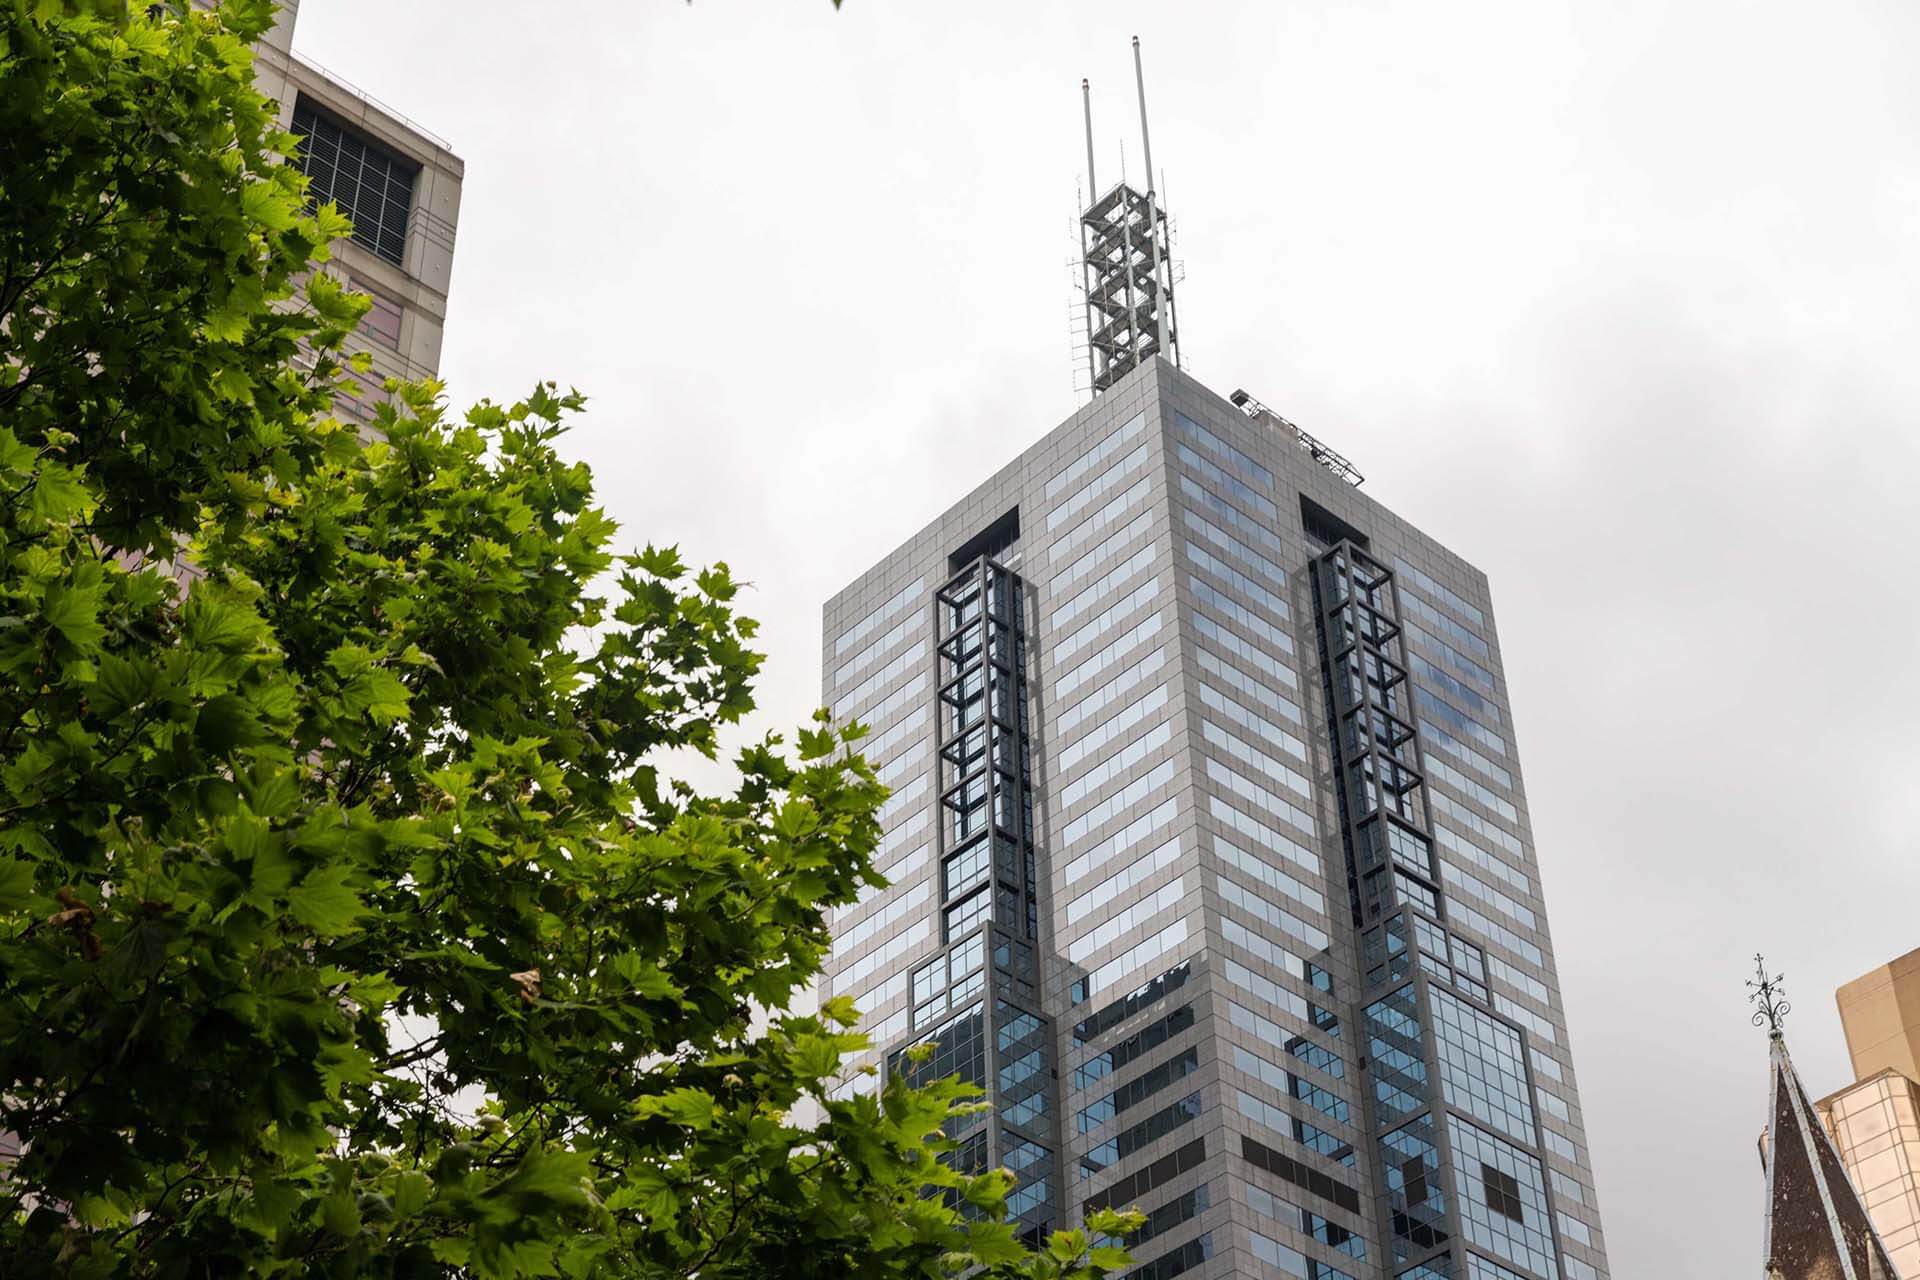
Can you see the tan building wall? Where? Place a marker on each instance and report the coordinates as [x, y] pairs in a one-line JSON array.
[[404, 332], [1876, 1127], [1880, 1014]]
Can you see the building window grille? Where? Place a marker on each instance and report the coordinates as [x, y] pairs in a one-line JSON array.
[[371, 185]]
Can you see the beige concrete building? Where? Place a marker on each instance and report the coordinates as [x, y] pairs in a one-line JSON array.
[[1875, 1122], [398, 182]]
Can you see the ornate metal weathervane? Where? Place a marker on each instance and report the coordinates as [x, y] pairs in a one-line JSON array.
[[1768, 995]]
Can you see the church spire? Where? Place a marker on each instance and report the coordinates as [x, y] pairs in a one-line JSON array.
[[1817, 1229]]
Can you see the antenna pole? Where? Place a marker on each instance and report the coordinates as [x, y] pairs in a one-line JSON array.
[[1153, 207], [1086, 106]]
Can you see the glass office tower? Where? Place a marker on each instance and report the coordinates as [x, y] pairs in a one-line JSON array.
[[1210, 859]]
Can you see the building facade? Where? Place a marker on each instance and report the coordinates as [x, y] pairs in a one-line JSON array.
[[400, 185], [1875, 1122], [1210, 859]]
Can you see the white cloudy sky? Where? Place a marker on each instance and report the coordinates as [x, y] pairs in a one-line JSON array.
[[1616, 299]]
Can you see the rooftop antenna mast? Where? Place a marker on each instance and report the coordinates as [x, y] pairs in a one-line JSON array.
[[1126, 263]]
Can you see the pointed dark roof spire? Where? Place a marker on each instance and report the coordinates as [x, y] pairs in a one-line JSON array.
[[1817, 1229]]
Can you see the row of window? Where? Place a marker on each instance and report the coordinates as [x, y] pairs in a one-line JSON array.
[[1112, 728], [1263, 836], [1134, 958], [911, 693], [1240, 616], [1234, 547], [1246, 753], [1474, 887], [1247, 718], [1427, 669], [1454, 842], [1138, 1137], [1538, 1025], [1241, 463], [1485, 828], [1095, 663], [1432, 707], [1261, 987], [1103, 587], [1095, 627], [1206, 499], [1240, 647], [1266, 873], [1108, 547], [908, 661], [1102, 484], [1207, 562], [1116, 927], [1307, 1223], [1238, 895], [1136, 1091], [1520, 980], [885, 954], [1135, 873], [1262, 948], [1431, 587], [875, 748], [1467, 787], [1136, 1046], [1248, 790], [1288, 1260], [855, 936], [1434, 738], [1280, 1120], [1449, 629], [1247, 687], [1108, 692], [910, 793], [1103, 812], [1110, 511], [1297, 1087], [1121, 841], [1493, 931], [1093, 457], [859, 661], [879, 617], [1453, 657], [1118, 763]]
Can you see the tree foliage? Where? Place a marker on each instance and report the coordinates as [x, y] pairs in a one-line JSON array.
[[347, 925]]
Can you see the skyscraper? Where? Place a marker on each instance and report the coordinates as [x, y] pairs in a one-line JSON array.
[[1210, 857]]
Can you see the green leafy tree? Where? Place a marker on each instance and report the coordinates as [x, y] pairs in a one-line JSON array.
[[347, 926]]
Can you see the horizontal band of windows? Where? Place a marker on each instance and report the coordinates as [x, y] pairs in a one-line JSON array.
[[1162, 1030], [1449, 629], [1263, 949], [1454, 842], [884, 678], [1307, 1223], [1568, 1188], [911, 693], [1206, 562], [874, 999], [888, 952], [1126, 1190], [1292, 1085], [1215, 444], [1098, 625], [1553, 1104], [1226, 542], [1237, 646], [1560, 1145], [1266, 873], [1116, 927], [1112, 728], [1205, 499], [1108, 548], [1241, 616], [1086, 462], [1121, 841], [1469, 697], [1264, 835], [880, 617], [1474, 887], [1112, 767], [1100, 520], [1259, 796], [1280, 1120], [1132, 1093], [1298, 1043], [909, 793], [1104, 658], [889, 773], [1485, 828], [1459, 661], [1289, 1261], [1272, 768], [1099, 699], [1138, 1137], [1240, 492], [1108, 809], [849, 940], [1115, 971], [1130, 876], [1544, 1065], [1434, 708], [1533, 1022], [1247, 687], [1471, 790], [1094, 490], [1267, 911], [1521, 981], [1431, 587], [1434, 738], [1493, 931], [875, 748], [1300, 1174], [896, 866], [861, 660], [1247, 718], [1137, 563]]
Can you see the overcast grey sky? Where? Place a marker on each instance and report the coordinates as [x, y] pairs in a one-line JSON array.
[[1617, 300]]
